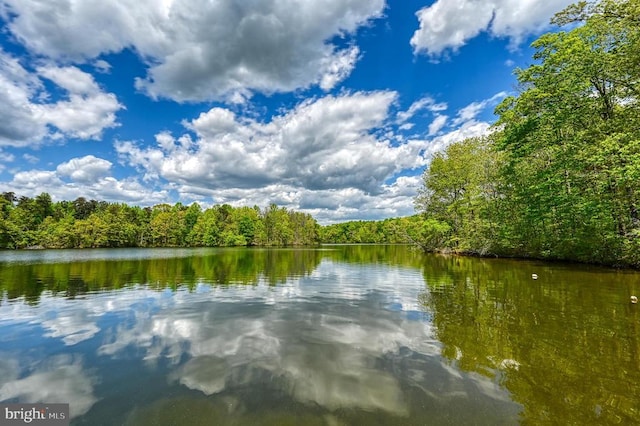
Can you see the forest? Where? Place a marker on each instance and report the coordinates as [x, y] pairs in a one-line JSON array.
[[557, 178], [41, 223]]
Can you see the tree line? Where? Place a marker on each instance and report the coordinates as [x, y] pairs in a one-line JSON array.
[[401, 230], [559, 177], [39, 222]]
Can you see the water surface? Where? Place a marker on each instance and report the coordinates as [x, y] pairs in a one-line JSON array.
[[340, 335]]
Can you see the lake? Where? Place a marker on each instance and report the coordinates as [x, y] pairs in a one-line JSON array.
[[336, 335]]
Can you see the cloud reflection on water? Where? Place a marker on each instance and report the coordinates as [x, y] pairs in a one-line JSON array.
[[341, 337], [59, 379]]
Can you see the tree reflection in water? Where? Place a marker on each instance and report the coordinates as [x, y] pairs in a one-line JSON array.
[[336, 335], [566, 345]]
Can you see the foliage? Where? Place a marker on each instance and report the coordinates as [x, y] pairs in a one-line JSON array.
[[458, 197], [563, 347], [230, 266], [558, 177], [388, 231], [42, 223]]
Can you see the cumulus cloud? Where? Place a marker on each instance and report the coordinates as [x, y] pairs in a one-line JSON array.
[[470, 129], [87, 177], [85, 169], [327, 206], [327, 143], [19, 120], [333, 157], [466, 124], [202, 50], [447, 25], [58, 379], [27, 119], [337, 157], [71, 79]]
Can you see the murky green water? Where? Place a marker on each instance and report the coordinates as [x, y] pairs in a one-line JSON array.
[[341, 335]]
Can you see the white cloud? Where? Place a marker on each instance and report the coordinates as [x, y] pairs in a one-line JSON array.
[[471, 111], [19, 120], [202, 50], [30, 158], [102, 66], [84, 177], [469, 129], [27, 120], [58, 379], [85, 169], [336, 158], [31, 181], [339, 67], [326, 205], [426, 103], [447, 25], [437, 124], [83, 117], [328, 143], [72, 79], [465, 125], [6, 157]]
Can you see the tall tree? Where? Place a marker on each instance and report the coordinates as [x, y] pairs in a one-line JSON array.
[[572, 140], [458, 196]]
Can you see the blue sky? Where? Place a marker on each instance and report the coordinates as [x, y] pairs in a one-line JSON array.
[[329, 107]]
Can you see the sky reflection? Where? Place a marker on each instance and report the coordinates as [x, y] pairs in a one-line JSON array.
[[345, 336]]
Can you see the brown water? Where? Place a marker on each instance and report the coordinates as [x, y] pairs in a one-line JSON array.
[[339, 335]]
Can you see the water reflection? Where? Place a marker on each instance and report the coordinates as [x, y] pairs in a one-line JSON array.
[[58, 379], [340, 335], [566, 346], [78, 272], [242, 336]]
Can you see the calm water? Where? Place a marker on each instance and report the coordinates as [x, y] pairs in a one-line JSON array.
[[342, 335]]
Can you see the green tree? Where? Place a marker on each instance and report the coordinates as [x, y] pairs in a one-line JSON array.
[[558, 177], [572, 142], [193, 212], [205, 232], [166, 226], [278, 228], [458, 197]]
